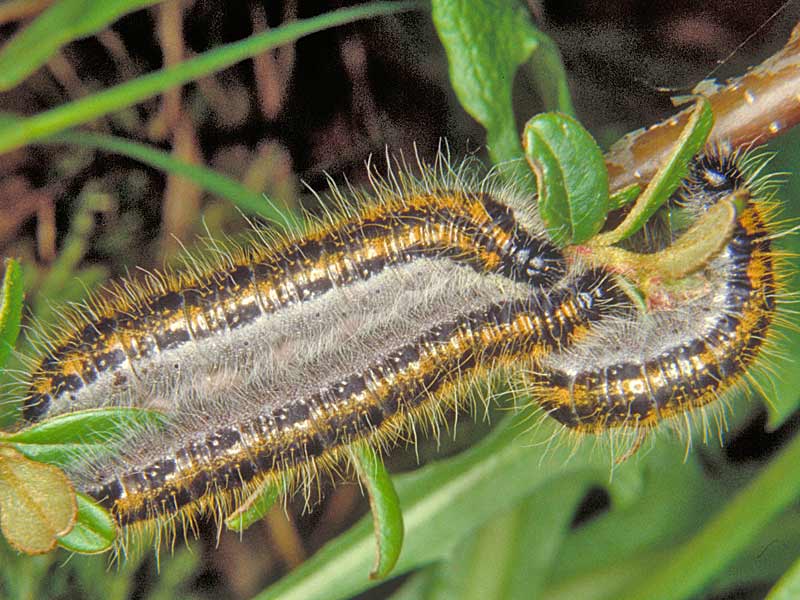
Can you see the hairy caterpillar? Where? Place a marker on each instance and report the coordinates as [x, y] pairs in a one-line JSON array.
[[133, 346], [370, 351], [409, 383], [637, 371]]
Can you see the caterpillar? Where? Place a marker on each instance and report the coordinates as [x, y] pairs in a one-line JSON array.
[[638, 371], [271, 363], [134, 345], [410, 383]]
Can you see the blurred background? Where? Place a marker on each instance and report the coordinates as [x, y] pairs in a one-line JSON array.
[[280, 124]]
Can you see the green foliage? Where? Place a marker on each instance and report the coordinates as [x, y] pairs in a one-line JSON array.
[[444, 503], [669, 175], [10, 308], [207, 179], [254, 508], [571, 177], [15, 134], [623, 197], [781, 391], [384, 505], [511, 555], [94, 530], [486, 42], [62, 439], [494, 521], [788, 587]]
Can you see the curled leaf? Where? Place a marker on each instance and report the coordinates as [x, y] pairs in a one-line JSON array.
[[668, 177], [387, 517]]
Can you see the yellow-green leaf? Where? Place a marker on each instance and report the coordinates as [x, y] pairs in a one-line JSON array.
[[37, 503]]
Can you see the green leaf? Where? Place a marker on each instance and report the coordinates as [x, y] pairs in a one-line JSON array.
[[548, 72], [417, 586], [94, 530], [62, 439], [14, 135], [597, 551], [782, 395], [623, 197], [669, 175], [385, 507], [254, 508], [37, 503], [481, 483], [571, 177], [788, 588], [11, 296], [510, 556], [766, 559], [63, 22], [597, 562], [689, 570], [486, 41]]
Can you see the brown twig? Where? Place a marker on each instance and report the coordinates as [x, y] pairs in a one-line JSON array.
[[753, 108], [16, 10]]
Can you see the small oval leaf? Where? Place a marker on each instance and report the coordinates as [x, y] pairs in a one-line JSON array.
[[37, 503], [571, 177], [94, 531]]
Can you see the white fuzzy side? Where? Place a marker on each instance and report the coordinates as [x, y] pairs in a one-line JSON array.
[[306, 351]]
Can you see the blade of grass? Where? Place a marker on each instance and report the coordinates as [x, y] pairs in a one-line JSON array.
[[764, 560], [788, 588], [216, 183], [64, 21], [14, 135], [510, 556], [11, 296], [783, 398]]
